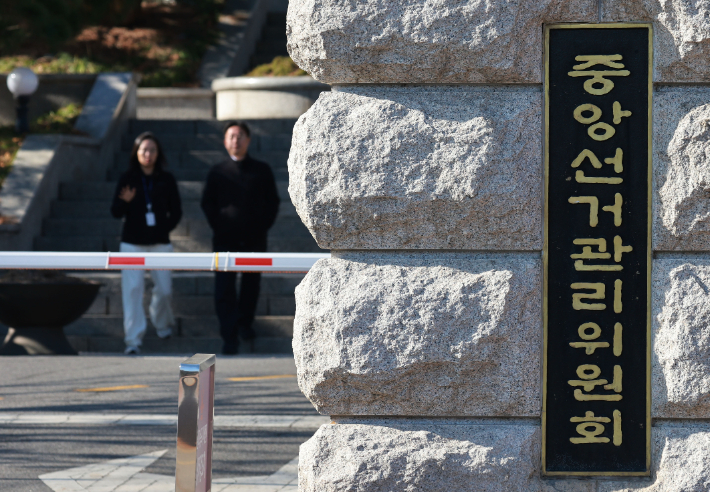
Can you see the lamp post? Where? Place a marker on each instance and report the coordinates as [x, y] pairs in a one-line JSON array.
[[22, 82]]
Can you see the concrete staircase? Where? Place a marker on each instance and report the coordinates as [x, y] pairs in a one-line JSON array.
[[80, 220], [272, 42]]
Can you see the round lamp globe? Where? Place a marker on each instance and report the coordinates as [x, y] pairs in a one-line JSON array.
[[22, 82]]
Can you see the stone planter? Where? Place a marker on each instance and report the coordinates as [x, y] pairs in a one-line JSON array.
[[37, 313], [265, 97]]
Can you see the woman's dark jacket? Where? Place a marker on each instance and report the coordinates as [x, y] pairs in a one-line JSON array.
[[166, 205], [240, 202]]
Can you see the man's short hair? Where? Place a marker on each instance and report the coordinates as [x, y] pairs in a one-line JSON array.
[[240, 124]]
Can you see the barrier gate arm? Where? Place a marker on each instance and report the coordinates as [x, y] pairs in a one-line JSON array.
[[219, 261]]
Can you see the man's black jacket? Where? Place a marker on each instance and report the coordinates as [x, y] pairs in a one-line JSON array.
[[240, 201], [165, 198]]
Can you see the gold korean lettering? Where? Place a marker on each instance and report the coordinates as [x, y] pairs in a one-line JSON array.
[[608, 130], [599, 131], [587, 374], [618, 347], [617, 161], [619, 249], [615, 209], [616, 383], [583, 108], [618, 113], [617, 296], [594, 208], [596, 163], [591, 427], [598, 77], [599, 293], [584, 429], [587, 254], [589, 347], [618, 437]]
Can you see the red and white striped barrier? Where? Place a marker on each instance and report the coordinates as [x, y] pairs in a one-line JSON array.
[[222, 261]]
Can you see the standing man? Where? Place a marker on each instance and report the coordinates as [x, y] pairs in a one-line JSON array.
[[241, 202]]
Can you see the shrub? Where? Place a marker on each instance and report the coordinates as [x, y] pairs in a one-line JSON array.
[[280, 66]]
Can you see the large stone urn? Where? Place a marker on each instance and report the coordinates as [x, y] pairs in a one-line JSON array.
[[37, 313], [265, 97]]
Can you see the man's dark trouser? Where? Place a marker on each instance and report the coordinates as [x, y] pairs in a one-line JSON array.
[[236, 312]]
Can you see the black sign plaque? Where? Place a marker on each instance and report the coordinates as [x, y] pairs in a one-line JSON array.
[[597, 255]]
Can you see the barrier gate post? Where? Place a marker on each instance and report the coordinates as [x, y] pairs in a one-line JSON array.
[[193, 468]]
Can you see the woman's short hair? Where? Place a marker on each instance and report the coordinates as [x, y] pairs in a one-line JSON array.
[[240, 124], [160, 163]]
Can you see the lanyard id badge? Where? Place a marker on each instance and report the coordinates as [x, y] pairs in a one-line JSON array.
[[149, 215]]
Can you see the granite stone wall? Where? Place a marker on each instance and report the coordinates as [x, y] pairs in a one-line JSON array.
[[422, 171]]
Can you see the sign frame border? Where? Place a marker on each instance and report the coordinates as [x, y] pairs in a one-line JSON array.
[[649, 249]]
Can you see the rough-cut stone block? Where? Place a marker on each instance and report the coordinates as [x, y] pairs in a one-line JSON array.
[[681, 160], [401, 455], [427, 167], [426, 334], [437, 41], [680, 461], [681, 35], [431, 456], [681, 350]]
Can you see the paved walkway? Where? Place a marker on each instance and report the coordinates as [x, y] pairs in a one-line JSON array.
[[220, 421], [126, 475], [107, 423]]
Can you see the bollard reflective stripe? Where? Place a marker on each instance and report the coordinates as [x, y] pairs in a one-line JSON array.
[[193, 465], [222, 261]]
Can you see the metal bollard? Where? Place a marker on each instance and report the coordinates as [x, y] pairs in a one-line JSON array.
[[193, 468]]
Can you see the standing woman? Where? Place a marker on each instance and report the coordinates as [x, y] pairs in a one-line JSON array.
[[148, 201]]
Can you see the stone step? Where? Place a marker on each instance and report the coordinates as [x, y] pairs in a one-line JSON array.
[[275, 245], [176, 143], [212, 141], [274, 126], [274, 47], [276, 19], [200, 326], [86, 209], [277, 159], [68, 227], [109, 303], [197, 283], [180, 243], [180, 174], [179, 345], [274, 31], [189, 174], [97, 190]]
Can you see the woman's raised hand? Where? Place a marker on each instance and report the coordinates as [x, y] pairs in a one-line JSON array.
[[127, 193]]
